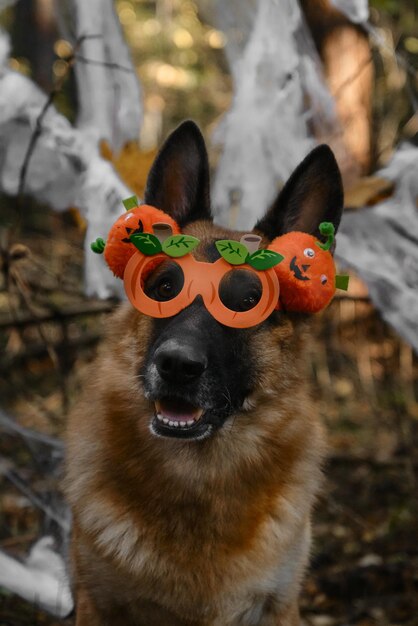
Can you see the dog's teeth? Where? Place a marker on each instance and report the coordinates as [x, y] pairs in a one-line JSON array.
[[162, 419]]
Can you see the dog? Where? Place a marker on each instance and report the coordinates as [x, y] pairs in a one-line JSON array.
[[208, 525]]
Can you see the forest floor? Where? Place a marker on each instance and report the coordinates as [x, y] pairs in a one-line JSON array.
[[364, 565]]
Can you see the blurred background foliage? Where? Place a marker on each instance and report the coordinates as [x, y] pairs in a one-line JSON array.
[[365, 563], [183, 71]]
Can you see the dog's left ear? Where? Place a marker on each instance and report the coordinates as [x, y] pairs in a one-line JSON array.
[[178, 182], [313, 194]]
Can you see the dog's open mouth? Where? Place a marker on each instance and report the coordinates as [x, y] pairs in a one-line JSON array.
[[175, 417]]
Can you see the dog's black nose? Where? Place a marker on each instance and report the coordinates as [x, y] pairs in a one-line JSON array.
[[179, 362]]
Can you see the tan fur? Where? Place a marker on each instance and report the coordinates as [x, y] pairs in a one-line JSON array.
[[177, 533]]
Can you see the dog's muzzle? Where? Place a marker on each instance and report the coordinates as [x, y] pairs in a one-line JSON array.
[[178, 367]]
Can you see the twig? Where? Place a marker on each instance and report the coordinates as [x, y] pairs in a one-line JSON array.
[[71, 311], [86, 340], [22, 292], [20, 484], [70, 60], [9, 424], [84, 38], [11, 542], [343, 459], [33, 141], [347, 296], [410, 70], [48, 289], [113, 66], [353, 77], [38, 125], [339, 507]]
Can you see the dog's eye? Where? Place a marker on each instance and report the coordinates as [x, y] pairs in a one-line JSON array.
[[240, 290], [250, 301], [165, 290], [165, 282]]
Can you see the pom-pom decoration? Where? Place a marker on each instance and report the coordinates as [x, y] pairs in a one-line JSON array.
[[307, 275], [119, 246]]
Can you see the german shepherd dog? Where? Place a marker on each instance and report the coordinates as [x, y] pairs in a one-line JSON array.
[[207, 523]]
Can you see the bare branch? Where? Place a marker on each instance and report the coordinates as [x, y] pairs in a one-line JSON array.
[[57, 315], [23, 486], [10, 425], [113, 66]]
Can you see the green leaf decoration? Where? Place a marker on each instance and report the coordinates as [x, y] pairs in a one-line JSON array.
[[179, 245], [264, 259], [98, 246], [341, 282], [146, 243], [232, 251], [130, 203], [326, 229]]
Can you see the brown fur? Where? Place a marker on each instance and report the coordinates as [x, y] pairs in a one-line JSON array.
[[178, 533]]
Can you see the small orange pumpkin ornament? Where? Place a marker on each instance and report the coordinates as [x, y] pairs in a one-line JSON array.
[[307, 275], [118, 248]]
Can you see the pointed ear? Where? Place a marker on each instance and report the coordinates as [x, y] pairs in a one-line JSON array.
[[178, 182], [313, 194]]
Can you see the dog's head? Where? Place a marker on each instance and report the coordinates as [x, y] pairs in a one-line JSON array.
[[196, 371]]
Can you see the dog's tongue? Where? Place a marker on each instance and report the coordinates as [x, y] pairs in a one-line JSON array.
[[178, 410]]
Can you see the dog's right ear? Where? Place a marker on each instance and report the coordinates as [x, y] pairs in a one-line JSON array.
[[313, 194], [178, 182]]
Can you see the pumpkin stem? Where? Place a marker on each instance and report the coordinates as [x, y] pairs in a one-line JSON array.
[[130, 203], [98, 246], [327, 229]]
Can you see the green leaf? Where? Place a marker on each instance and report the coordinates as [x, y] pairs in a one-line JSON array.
[[341, 282], [232, 251], [98, 246], [179, 245], [146, 243], [130, 203], [264, 259]]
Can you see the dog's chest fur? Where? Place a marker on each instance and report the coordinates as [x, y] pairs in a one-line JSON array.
[[212, 532]]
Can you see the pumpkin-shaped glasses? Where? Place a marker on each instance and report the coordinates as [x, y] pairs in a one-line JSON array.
[[236, 296]]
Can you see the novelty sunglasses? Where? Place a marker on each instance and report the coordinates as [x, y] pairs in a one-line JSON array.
[[236, 296], [146, 248]]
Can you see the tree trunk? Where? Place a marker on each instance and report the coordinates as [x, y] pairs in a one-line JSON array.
[[280, 104], [345, 51]]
